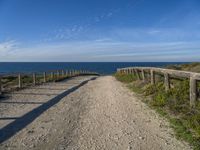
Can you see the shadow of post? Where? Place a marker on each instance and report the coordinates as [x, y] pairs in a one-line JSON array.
[[11, 129]]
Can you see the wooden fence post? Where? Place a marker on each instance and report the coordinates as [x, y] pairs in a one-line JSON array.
[[45, 80], [133, 71], [130, 71], [63, 74], [52, 75], [152, 77], [143, 75], [137, 74], [19, 81], [166, 82], [58, 74], [0, 85], [34, 79], [71, 72], [193, 91]]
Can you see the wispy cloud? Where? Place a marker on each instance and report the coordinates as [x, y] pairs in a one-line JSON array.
[[64, 33], [7, 48], [105, 50], [104, 16]]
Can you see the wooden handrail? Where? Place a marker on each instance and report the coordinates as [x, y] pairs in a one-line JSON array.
[[178, 73], [167, 73], [46, 76]]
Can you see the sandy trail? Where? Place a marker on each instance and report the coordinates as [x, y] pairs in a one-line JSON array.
[[102, 114]]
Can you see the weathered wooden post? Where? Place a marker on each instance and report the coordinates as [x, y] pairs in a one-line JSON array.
[[132, 71], [129, 71], [166, 82], [44, 74], [71, 73], [152, 77], [34, 79], [137, 74], [19, 81], [193, 91], [1, 85], [52, 75], [58, 74], [143, 75], [63, 74]]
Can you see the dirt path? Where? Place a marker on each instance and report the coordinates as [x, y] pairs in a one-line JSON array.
[[102, 114]]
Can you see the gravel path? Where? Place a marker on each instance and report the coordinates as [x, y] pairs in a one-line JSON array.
[[102, 114]]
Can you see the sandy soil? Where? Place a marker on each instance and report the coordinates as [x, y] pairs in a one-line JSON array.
[[101, 114]]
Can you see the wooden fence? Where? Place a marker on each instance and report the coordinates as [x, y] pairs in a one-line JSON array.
[[141, 73], [21, 80]]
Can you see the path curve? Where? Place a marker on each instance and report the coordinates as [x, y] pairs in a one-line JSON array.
[[103, 114]]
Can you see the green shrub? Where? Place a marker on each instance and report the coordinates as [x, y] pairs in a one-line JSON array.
[[159, 99], [127, 78], [150, 89]]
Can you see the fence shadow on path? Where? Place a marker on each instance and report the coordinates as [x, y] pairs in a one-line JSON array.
[[11, 129]]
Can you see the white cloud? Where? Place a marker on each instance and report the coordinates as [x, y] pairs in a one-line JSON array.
[[7, 46], [105, 50]]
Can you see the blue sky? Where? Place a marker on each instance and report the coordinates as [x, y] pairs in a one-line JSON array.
[[99, 30]]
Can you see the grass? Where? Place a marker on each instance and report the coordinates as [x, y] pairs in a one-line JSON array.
[[173, 105]]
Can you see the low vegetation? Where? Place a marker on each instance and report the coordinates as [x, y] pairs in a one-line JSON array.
[[173, 104]]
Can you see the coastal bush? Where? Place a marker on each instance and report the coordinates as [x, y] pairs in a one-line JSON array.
[[137, 86], [127, 78], [159, 99], [150, 89]]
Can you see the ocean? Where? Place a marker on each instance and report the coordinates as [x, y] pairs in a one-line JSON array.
[[104, 68]]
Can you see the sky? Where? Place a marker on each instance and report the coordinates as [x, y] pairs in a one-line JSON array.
[[99, 30]]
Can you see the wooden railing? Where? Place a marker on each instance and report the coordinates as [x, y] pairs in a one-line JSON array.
[[10, 82], [141, 72]]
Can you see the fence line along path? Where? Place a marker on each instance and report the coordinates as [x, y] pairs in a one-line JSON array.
[[146, 73], [16, 81]]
